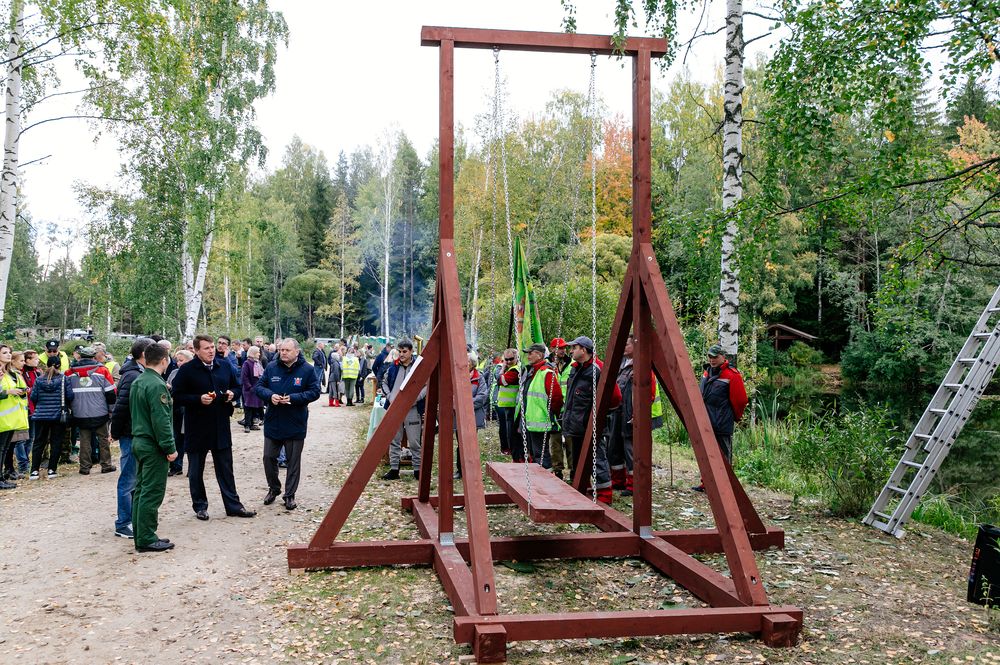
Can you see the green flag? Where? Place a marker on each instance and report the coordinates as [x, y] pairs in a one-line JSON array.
[[527, 322]]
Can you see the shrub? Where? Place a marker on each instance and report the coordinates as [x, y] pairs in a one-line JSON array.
[[803, 355], [853, 453]]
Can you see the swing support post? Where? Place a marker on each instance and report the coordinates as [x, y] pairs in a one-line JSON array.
[[734, 603]]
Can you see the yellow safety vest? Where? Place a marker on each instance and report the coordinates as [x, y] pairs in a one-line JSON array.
[[13, 409], [536, 413], [350, 367], [656, 411], [506, 395]]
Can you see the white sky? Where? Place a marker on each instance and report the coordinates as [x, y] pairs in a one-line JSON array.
[[351, 70]]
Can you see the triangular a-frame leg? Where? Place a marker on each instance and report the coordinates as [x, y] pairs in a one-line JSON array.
[[645, 307]]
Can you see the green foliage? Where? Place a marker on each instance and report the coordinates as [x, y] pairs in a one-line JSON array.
[[852, 454], [802, 355]]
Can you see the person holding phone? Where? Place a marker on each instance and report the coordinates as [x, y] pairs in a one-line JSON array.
[[205, 387]]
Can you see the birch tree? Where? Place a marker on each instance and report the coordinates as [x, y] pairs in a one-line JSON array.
[[197, 95], [12, 133]]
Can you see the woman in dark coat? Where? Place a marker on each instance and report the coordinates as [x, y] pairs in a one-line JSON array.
[[51, 393], [253, 407]]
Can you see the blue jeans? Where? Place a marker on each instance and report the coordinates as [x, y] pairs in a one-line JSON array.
[[22, 449], [126, 484]]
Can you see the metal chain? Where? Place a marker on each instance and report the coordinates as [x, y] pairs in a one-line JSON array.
[[592, 111], [500, 136]]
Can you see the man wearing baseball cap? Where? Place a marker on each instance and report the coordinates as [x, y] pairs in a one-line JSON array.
[[539, 400], [583, 378], [52, 351], [558, 446], [725, 398]]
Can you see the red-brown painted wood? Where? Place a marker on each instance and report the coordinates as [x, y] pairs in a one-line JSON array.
[[370, 459], [552, 500], [492, 499], [542, 42], [366, 553], [623, 624], [684, 389]]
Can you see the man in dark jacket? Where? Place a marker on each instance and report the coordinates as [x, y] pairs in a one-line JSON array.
[[380, 364], [394, 378], [725, 398], [287, 386], [94, 395], [319, 361], [121, 429], [577, 419], [205, 387]]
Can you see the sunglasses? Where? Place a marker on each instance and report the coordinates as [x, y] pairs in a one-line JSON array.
[[508, 360]]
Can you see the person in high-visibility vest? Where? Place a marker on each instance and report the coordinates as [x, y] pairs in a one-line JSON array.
[[13, 409], [559, 449], [541, 397], [507, 399], [350, 367], [52, 349]]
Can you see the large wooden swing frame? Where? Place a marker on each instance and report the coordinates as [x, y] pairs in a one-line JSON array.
[[737, 603]]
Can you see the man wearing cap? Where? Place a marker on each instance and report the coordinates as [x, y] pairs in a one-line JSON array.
[[563, 365], [93, 397], [52, 351], [507, 384], [725, 398], [620, 422], [583, 379], [392, 382], [540, 398]]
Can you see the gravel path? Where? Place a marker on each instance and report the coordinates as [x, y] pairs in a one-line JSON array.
[[74, 593]]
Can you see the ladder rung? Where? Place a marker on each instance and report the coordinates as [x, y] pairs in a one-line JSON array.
[[967, 361], [983, 335], [925, 437], [912, 465], [953, 386], [882, 515], [940, 412], [898, 490], [993, 310]]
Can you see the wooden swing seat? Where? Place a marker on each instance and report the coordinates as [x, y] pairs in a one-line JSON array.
[[552, 501]]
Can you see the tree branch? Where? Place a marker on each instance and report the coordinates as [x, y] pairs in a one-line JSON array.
[[77, 117], [55, 38], [60, 94], [28, 163]]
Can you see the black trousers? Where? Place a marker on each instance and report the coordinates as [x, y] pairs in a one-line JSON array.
[[47, 433], [537, 451], [223, 462], [359, 389], [505, 416], [293, 456]]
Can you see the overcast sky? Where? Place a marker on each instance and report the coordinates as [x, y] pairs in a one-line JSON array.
[[353, 69]]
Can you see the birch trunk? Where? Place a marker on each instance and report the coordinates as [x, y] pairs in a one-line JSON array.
[[343, 269], [225, 293], [9, 175], [732, 180], [194, 282]]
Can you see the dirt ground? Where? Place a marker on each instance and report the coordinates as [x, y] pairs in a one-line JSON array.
[[73, 593]]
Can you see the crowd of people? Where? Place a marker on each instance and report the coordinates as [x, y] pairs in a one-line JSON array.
[[543, 407], [163, 405]]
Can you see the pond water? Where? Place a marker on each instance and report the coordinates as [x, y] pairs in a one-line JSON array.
[[972, 468]]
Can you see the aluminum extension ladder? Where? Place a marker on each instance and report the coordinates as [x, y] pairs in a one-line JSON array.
[[941, 423]]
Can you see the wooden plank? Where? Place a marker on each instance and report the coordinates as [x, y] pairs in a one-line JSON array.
[[708, 541], [492, 499], [542, 42], [446, 455], [367, 553], [578, 625], [552, 500], [371, 457], [706, 583], [560, 546]]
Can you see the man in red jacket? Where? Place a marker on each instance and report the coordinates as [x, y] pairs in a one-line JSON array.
[[725, 398]]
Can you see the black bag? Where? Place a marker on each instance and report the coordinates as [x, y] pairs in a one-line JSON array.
[[984, 575]]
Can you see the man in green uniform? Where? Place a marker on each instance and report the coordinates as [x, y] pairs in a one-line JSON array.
[[153, 447]]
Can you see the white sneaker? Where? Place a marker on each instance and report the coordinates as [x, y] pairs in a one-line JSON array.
[[33, 476], [52, 474]]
